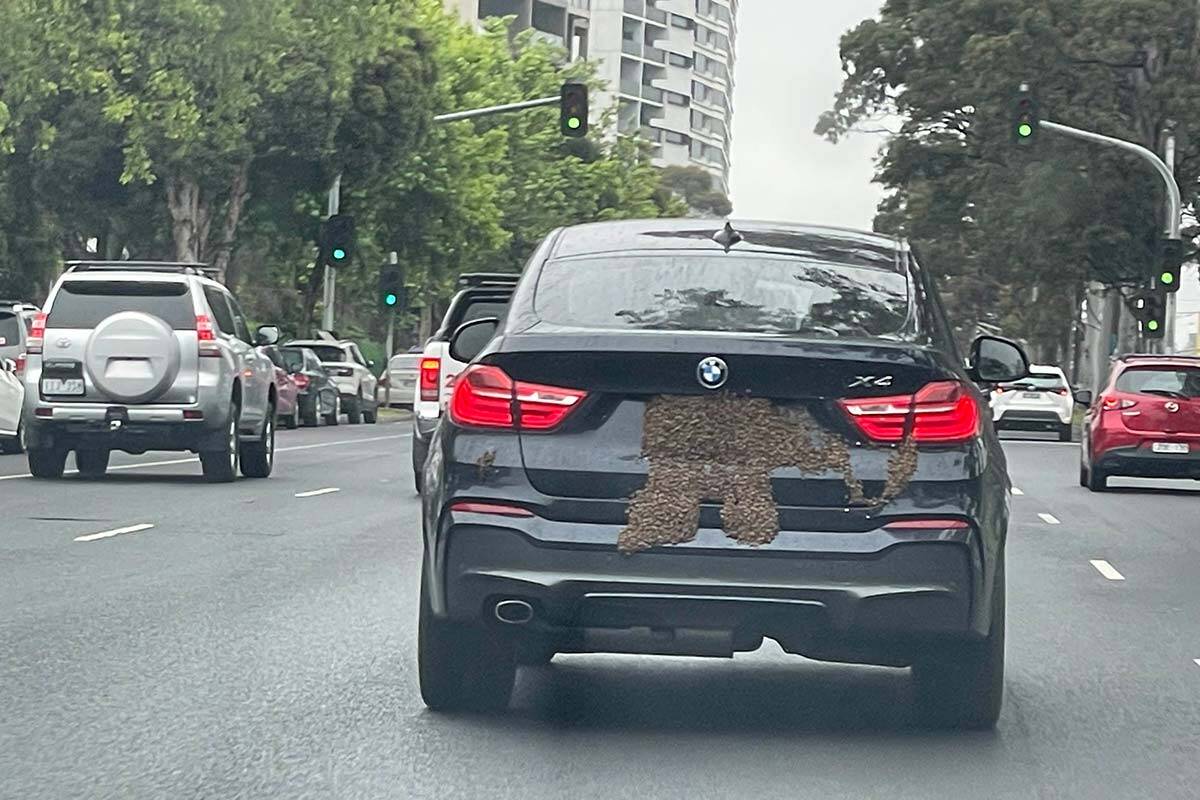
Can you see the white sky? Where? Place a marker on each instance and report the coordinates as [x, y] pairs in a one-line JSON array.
[[787, 73]]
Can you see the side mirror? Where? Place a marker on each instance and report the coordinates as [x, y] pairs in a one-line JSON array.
[[1083, 397], [267, 335], [996, 360], [471, 337], [9, 365]]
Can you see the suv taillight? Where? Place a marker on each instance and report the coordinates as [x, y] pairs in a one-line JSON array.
[[943, 412], [20, 365], [37, 334], [486, 397], [431, 373], [206, 336]]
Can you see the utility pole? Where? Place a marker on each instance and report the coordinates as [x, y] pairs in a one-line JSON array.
[[1169, 327], [389, 343], [330, 295]]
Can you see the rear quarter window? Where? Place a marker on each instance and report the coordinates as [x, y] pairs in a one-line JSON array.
[[85, 304], [10, 329]]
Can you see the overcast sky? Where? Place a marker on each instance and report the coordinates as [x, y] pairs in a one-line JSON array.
[[787, 73]]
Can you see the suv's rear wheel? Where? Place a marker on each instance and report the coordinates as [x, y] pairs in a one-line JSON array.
[[371, 415], [46, 462], [331, 416], [961, 685], [462, 667], [258, 458], [354, 410], [221, 465], [92, 464]]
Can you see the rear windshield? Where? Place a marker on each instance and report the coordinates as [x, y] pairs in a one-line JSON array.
[[1038, 381], [1183, 382], [328, 353], [406, 361], [723, 293], [292, 359], [10, 329], [85, 304]]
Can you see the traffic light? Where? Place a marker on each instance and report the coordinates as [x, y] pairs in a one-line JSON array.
[[1025, 118], [1170, 265], [573, 110], [1150, 310], [338, 240], [391, 287]]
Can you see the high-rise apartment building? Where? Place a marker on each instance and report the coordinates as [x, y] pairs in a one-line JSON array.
[[668, 65]]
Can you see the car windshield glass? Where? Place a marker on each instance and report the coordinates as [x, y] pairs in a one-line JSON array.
[[405, 361], [293, 360], [1038, 381], [723, 293], [1167, 381], [10, 329], [85, 304], [328, 353]]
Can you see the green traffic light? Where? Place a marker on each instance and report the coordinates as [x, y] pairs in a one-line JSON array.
[[1166, 278], [1152, 325], [338, 254], [574, 123], [390, 299], [1025, 130]]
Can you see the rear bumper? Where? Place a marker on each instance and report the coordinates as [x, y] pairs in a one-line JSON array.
[[1142, 462], [1031, 420], [142, 428], [871, 596]]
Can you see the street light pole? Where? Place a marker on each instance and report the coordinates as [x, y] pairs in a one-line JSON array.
[[330, 295], [1172, 297]]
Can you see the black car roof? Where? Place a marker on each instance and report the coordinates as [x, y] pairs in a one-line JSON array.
[[838, 245]]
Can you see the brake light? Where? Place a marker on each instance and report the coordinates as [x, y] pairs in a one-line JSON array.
[[486, 397], [498, 509], [942, 412], [206, 337], [37, 334], [1111, 403], [20, 365], [926, 525], [431, 372], [300, 380], [1064, 392]]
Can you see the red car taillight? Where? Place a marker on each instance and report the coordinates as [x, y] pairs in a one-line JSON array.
[[300, 380], [486, 397], [206, 337], [1064, 392], [21, 365], [37, 334], [431, 372], [943, 413], [1110, 403]]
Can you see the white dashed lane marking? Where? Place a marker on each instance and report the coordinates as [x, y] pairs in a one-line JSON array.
[[1049, 519], [319, 492], [91, 537], [1017, 492], [1106, 569]]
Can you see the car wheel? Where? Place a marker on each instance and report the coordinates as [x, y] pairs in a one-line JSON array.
[[354, 410], [258, 458], [15, 445], [46, 462], [461, 667], [92, 464], [1083, 474], [1097, 480], [1066, 432], [332, 417], [371, 416], [961, 685], [221, 465], [311, 414], [292, 421]]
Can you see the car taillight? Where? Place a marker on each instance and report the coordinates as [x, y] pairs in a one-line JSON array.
[[926, 524], [301, 380], [37, 334], [206, 337], [431, 372], [942, 413], [1116, 403], [20, 365], [486, 397], [1064, 392], [497, 509]]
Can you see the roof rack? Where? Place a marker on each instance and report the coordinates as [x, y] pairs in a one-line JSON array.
[[179, 267], [477, 279]]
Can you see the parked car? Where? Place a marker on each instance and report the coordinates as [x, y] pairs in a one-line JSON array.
[[480, 295], [1041, 401], [1144, 423], [351, 371], [12, 392], [16, 320], [403, 374], [139, 356], [318, 396], [288, 408], [677, 442]]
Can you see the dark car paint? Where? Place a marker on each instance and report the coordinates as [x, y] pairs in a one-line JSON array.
[[580, 511], [319, 384]]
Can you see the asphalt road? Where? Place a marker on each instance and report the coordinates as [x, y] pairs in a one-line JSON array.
[[256, 643]]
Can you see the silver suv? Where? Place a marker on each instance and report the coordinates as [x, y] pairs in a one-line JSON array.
[[139, 356]]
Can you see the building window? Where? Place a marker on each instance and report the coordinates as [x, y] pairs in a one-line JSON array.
[[676, 138], [679, 61], [681, 22], [676, 99]]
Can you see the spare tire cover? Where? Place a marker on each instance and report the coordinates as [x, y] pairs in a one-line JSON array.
[[132, 357]]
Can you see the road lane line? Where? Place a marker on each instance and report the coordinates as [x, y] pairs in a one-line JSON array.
[[91, 537], [319, 492], [346, 441], [1017, 492], [1196, 661], [1106, 569], [1049, 519]]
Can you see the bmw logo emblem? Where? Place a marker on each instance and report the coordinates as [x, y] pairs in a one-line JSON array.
[[712, 373]]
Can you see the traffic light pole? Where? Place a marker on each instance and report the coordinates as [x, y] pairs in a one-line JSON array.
[[487, 111], [330, 295], [1169, 320]]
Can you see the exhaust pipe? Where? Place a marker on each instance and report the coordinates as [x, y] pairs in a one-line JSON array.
[[514, 612]]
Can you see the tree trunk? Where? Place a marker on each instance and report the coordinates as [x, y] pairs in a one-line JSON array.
[[223, 256], [183, 200]]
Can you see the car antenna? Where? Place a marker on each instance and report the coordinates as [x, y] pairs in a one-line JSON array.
[[727, 237]]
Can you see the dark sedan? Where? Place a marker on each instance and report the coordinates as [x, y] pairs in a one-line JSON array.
[[684, 437], [317, 394]]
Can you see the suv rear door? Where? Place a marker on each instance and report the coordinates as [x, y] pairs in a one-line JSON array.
[[437, 369]]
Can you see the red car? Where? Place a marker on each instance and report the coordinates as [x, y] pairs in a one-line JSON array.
[[1145, 423], [288, 403]]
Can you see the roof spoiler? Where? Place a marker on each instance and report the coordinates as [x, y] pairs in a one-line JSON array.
[[472, 280], [176, 267]]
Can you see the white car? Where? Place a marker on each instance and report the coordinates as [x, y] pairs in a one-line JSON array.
[[12, 395], [1041, 402], [402, 375], [357, 386]]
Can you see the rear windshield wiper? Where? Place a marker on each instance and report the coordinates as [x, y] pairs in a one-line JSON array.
[[1167, 393]]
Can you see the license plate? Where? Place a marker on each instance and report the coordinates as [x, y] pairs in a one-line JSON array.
[[66, 386], [1169, 447], [1031, 395]]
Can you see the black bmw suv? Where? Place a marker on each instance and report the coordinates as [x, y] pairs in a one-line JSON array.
[[686, 436]]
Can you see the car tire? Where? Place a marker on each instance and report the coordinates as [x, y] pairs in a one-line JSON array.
[[92, 464], [15, 445], [292, 421], [1097, 480], [46, 463], [961, 685], [221, 465], [461, 667], [331, 418], [1083, 474], [258, 457], [371, 416], [354, 410], [1066, 433], [310, 415]]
